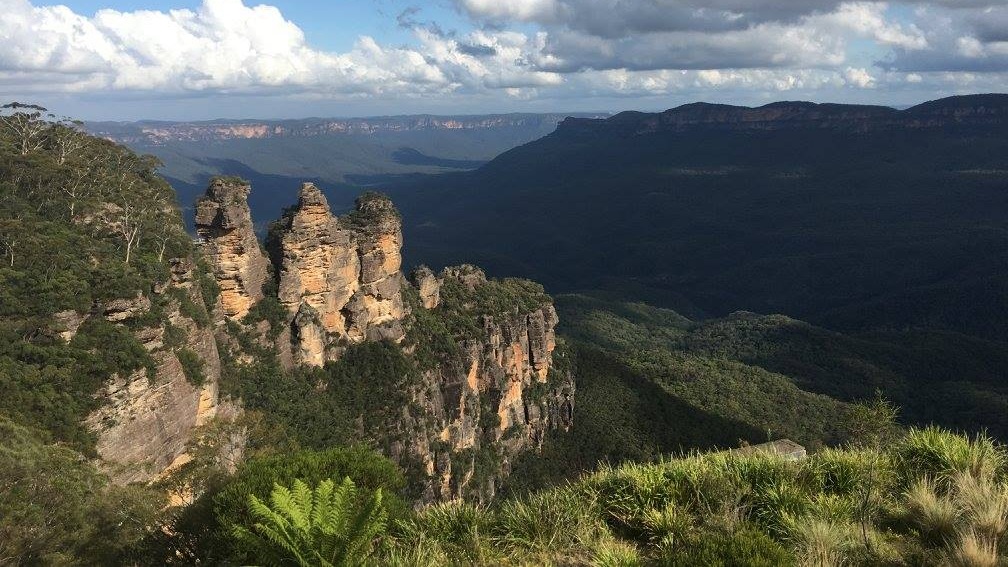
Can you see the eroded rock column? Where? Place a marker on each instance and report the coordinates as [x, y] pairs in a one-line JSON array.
[[227, 235]]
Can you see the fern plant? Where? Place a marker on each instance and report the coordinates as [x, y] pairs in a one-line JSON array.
[[328, 526]]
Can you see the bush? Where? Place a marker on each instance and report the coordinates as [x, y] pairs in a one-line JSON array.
[[192, 366], [747, 547], [367, 469]]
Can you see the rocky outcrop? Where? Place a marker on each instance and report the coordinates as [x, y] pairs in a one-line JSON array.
[[428, 285], [488, 387], [148, 419], [497, 400], [228, 240], [339, 278]]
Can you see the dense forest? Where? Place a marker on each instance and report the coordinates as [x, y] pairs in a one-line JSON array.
[[652, 382], [83, 222]]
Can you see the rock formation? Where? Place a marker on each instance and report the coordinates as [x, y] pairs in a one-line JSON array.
[[489, 394], [224, 226], [148, 420], [339, 278], [497, 400], [428, 285]]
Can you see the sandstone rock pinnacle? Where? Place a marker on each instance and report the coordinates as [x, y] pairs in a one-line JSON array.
[[224, 226], [347, 270]]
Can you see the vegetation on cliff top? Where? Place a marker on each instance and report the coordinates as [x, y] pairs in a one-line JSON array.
[[83, 222]]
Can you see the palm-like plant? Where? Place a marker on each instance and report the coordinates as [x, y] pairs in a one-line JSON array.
[[329, 526]]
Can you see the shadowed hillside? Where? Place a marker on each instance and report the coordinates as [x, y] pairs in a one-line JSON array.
[[849, 217]]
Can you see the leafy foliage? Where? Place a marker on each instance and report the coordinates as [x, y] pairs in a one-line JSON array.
[[192, 366], [320, 527], [55, 508], [257, 477]]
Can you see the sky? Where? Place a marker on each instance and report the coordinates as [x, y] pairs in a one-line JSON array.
[[205, 59]]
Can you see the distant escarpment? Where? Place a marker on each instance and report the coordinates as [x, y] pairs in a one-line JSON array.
[[962, 111], [157, 132], [473, 378]]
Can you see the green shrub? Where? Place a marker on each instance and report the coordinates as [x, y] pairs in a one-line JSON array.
[[117, 350], [192, 366], [188, 307], [269, 309], [257, 476], [746, 547], [326, 526]]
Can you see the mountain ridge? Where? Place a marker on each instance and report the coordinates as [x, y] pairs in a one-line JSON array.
[[159, 132], [829, 221], [782, 114]]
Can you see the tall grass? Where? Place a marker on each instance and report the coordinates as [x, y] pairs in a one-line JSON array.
[[822, 543], [931, 497], [935, 516], [558, 521], [456, 530], [941, 454], [971, 550]]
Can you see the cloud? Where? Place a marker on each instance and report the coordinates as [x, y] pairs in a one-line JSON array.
[[519, 50], [973, 39], [812, 41], [620, 18], [858, 77], [223, 45]]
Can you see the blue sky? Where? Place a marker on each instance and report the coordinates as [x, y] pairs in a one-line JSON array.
[[201, 59]]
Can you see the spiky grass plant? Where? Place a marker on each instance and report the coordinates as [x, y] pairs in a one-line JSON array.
[[821, 543], [670, 525], [971, 550], [941, 454], [845, 471], [773, 506], [558, 521], [984, 504], [459, 530], [761, 470], [611, 552], [626, 495], [414, 552], [935, 515]]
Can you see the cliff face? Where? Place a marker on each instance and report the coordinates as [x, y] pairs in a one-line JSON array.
[[495, 399], [148, 420], [340, 279], [224, 225], [165, 132]]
